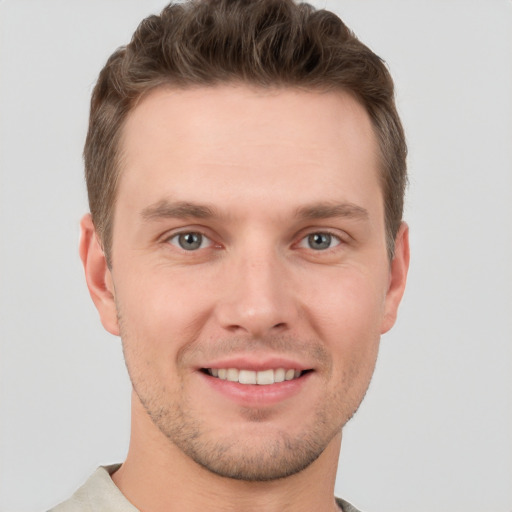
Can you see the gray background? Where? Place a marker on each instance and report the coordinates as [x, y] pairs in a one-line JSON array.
[[435, 430]]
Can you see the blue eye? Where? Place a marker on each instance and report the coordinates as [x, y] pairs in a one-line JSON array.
[[190, 241], [319, 241]]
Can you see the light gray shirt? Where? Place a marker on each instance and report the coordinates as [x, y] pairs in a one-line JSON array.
[[100, 494]]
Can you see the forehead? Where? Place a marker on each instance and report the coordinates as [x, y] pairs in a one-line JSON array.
[[219, 143]]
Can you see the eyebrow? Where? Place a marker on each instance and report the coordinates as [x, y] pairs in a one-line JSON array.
[[329, 210], [165, 209], [177, 210]]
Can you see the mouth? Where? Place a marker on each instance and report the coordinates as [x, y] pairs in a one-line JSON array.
[[251, 377]]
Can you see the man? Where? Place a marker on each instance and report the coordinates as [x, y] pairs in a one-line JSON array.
[[245, 167]]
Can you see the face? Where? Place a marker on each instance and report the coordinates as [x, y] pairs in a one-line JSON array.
[[250, 281]]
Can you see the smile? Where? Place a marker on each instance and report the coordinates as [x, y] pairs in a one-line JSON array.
[[262, 378]]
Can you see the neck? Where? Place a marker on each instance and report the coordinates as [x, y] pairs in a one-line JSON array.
[[157, 476]]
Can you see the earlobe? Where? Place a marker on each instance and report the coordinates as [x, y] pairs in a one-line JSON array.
[[98, 275], [397, 279]]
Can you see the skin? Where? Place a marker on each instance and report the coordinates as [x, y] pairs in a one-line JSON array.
[[256, 173]]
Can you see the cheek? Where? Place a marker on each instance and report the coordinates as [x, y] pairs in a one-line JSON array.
[[348, 308], [159, 315], [348, 319]]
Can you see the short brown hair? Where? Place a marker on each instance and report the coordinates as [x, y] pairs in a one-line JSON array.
[[267, 43]]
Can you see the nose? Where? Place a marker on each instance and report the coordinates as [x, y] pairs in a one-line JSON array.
[[258, 295]]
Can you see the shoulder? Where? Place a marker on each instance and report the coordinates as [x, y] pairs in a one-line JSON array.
[[346, 506], [99, 493]]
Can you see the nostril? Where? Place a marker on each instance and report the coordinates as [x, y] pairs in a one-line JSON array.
[[279, 325], [235, 328]]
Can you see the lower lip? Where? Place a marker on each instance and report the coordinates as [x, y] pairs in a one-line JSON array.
[[257, 395]]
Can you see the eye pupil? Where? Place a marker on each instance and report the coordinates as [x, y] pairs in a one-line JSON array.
[[190, 241], [319, 241]]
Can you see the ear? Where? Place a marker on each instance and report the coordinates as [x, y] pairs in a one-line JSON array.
[[397, 278], [98, 276]]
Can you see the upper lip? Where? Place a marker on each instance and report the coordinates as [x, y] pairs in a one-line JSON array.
[[256, 364]]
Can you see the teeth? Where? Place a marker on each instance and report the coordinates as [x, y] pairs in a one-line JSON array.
[[232, 375], [263, 378], [289, 375], [247, 377], [279, 375]]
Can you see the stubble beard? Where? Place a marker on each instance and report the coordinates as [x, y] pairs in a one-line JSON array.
[[242, 455], [239, 456]]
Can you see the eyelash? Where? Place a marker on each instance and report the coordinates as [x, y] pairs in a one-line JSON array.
[[331, 237], [304, 241], [177, 236]]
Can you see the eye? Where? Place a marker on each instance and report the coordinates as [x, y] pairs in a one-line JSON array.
[[190, 241], [320, 241]]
